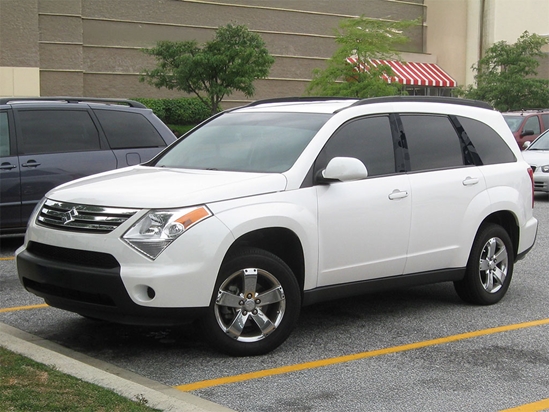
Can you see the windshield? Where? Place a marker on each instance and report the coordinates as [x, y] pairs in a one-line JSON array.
[[513, 122], [246, 142], [541, 143]]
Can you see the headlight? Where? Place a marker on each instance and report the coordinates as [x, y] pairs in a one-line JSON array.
[[545, 169], [155, 231]]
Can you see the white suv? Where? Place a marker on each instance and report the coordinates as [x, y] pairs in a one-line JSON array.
[[285, 203]]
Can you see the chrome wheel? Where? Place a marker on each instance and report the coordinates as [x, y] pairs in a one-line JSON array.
[[493, 265], [255, 304], [250, 305], [490, 267]]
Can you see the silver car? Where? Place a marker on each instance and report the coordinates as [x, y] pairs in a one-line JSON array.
[[537, 155]]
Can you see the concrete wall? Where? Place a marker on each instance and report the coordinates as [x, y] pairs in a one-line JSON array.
[[459, 30], [93, 47], [19, 56]]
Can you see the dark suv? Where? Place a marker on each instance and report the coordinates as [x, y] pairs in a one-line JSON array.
[[45, 142], [527, 124]]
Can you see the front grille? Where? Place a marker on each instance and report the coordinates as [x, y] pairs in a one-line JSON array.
[[72, 294], [73, 256], [82, 218], [540, 186]]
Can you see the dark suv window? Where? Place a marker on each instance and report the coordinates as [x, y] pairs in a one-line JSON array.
[[432, 142], [57, 131], [489, 146], [126, 129], [368, 139]]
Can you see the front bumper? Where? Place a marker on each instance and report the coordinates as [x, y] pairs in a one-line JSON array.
[[89, 283], [541, 181]]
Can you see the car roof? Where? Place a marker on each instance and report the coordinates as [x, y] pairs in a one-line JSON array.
[[71, 100], [335, 104]]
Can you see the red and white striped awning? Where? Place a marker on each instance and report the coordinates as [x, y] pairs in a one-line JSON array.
[[410, 73]]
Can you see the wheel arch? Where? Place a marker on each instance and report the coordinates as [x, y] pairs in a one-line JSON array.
[[279, 241], [507, 220]]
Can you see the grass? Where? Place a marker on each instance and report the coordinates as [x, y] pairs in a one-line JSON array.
[[30, 386]]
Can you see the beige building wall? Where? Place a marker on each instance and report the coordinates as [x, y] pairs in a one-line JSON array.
[[459, 30], [19, 60], [93, 47]]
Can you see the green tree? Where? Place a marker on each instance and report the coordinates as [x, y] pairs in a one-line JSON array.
[[363, 39], [505, 76], [230, 62]]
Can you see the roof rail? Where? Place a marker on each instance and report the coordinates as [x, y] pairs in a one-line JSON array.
[[424, 99], [126, 102], [297, 100]]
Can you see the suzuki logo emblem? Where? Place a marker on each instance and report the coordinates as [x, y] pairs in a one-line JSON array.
[[70, 216]]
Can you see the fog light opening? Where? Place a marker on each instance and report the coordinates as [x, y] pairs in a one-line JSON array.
[[150, 293]]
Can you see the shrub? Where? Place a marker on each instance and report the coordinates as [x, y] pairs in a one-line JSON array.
[[183, 111]]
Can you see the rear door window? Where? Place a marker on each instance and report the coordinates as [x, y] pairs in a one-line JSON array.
[[432, 142], [128, 130]]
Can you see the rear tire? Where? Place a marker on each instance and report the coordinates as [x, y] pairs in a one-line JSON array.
[[490, 267], [255, 304]]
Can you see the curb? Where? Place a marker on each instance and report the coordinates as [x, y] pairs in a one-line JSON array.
[[121, 381]]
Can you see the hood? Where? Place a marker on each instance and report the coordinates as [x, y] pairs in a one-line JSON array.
[[152, 187], [536, 157]]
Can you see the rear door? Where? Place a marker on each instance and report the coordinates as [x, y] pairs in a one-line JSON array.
[[57, 145], [445, 186], [10, 183]]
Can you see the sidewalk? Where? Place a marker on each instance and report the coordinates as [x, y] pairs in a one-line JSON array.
[[101, 373]]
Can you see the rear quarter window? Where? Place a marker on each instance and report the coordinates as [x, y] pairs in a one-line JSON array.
[[489, 145], [126, 130]]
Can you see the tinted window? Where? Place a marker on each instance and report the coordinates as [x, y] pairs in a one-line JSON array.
[[368, 139], [432, 142], [128, 130], [489, 146], [532, 124], [4, 135], [246, 142], [57, 131]]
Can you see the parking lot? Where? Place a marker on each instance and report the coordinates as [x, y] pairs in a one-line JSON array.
[[417, 349]]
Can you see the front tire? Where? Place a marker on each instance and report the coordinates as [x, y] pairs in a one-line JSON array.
[[255, 304], [489, 269]]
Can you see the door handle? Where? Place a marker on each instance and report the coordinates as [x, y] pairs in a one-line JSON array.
[[7, 166], [398, 194], [31, 163], [470, 181]]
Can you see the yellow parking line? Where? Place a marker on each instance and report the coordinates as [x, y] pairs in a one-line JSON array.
[[357, 356], [531, 407], [8, 258], [17, 308]]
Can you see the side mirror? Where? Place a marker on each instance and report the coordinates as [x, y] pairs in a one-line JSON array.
[[344, 169], [526, 145], [527, 132]]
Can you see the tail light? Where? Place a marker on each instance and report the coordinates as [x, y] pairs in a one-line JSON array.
[[531, 174]]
